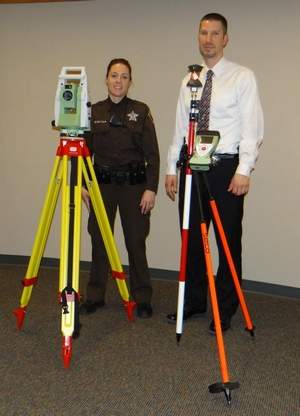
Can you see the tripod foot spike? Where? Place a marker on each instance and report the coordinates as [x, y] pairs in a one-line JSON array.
[[225, 388], [178, 337], [251, 331], [228, 396], [20, 315], [129, 306], [67, 351]]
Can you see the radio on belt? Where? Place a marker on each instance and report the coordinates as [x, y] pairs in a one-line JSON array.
[[205, 144]]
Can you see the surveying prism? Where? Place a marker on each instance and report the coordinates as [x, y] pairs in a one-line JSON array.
[[72, 119], [197, 157]]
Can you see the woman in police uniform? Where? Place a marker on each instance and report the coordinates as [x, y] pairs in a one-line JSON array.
[[126, 161]]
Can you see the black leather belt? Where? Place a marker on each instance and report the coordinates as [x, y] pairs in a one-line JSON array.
[[226, 155]]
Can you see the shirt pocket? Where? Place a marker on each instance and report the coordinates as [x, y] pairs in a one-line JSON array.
[[136, 134]]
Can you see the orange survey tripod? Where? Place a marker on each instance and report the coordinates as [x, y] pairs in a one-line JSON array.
[[75, 151], [192, 171]]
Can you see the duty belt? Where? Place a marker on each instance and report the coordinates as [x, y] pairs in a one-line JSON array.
[[133, 174]]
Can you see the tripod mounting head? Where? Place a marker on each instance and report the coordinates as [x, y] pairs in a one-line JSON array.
[[72, 108]]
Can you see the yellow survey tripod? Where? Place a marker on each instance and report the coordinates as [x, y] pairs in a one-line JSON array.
[[75, 151]]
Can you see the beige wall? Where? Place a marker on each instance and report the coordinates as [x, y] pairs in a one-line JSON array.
[[159, 38]]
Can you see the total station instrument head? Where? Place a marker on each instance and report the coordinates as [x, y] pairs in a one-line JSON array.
[[72, 108]]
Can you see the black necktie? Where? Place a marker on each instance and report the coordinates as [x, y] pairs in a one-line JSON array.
[[204, 105]]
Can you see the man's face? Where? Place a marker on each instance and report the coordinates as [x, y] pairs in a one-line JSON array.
[[212, 39]]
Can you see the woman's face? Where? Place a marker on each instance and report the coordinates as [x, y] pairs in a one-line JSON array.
[[118, 82]]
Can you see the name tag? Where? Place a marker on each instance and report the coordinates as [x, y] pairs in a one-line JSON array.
[[100, 121]]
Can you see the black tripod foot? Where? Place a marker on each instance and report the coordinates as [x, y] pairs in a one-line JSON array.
[[251, 331], [178, 336], [225, 388], [76, 333]]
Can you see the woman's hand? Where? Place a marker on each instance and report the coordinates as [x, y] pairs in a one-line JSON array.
[[171, 186], [147, 202], [86, 197]]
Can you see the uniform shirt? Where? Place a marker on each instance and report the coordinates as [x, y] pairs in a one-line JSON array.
[[235, 111], [124, 133]]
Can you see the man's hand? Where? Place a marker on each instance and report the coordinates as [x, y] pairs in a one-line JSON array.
[[147, 202], [86, 197], [171, 186], [239, 184]]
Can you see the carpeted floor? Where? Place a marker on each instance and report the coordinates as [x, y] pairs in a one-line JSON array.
[[122, 368]]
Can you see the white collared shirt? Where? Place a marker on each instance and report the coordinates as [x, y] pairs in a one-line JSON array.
[[235, 111]]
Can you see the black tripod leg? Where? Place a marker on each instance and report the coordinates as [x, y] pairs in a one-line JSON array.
[[74, 176]]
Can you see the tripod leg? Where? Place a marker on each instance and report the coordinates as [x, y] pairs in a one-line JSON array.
[[65, 222], [70, 254], [76, 246], [249, 324], [67, 297], [214, 301], [70, 230], [107, 235], [77, 226], [226, 386], [40, 240]]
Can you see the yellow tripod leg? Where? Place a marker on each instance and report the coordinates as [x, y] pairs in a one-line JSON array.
[[40, 240], [71, 225], [67, 299], [107, 235], [77, 226], [65, 220]]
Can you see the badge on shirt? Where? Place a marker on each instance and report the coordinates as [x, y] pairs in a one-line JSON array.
[[132, 116]]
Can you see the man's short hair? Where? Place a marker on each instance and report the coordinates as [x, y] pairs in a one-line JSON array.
[[218, 17]]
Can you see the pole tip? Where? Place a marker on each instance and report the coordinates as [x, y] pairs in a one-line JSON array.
[[20, 315], [66, 350], [129, 306], [251, 331]]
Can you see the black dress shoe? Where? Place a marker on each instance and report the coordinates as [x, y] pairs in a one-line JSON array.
[[89, 307], [144, 310], [187, 314], [225, 325]]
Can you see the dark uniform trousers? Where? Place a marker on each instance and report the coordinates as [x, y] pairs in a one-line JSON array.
[[135, 226], [230, 209]]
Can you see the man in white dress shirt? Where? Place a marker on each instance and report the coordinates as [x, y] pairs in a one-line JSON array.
[[235, 111]]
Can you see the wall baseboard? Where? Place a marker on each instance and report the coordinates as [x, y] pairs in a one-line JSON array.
[[248, 285]]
